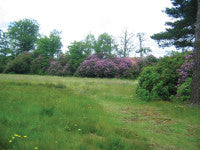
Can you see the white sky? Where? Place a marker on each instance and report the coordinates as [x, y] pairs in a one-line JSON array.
[[77, 18]]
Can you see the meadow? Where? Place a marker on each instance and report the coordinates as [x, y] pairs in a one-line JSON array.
[[61, 113]]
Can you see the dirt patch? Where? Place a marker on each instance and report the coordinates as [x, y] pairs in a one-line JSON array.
[[141, 115]]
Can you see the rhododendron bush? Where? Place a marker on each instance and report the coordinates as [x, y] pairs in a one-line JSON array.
[[159, 81], [101, 66], [59, 66], [185, 78]]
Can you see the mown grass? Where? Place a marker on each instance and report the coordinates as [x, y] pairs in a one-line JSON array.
[[59, 113]]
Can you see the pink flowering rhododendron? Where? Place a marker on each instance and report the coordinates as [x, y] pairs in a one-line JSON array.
[[97, 66]]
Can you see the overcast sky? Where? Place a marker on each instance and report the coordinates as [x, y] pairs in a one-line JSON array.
[[77, 18]]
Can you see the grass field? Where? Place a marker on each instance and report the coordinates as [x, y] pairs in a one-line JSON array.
[[66, 113]]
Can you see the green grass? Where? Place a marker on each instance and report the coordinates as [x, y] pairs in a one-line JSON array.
[[60, 113]]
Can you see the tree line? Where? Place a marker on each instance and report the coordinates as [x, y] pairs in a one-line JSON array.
[[182, 32], [23, 36]]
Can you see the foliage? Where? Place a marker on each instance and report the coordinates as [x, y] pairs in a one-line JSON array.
[[21, 64], [23, 35], [78, 51], [49, 46], [184, 90], [141, 63], [159, 81], [59, 66], [2, 63], [182, 28], [186, 69], [185, 78], [90, 42], [98, 66], [40, 65], [106, 45], [4, 44]]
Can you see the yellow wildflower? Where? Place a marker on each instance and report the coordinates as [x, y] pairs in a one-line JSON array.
[[19, 135], [10, 141], [25, 136], [79, 129], [13, 137], [36, 147]]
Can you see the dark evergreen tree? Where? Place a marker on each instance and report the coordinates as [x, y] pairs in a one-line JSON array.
[[181, 30]]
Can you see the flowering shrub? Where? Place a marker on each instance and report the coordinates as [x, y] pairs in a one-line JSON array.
[[142, 62], [98, 66], [186, 69], [59, 67], [185, 78]]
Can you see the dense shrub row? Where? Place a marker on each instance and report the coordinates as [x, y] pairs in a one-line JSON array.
[[166, 78], [20, 64], [96, 65], [27, 63]]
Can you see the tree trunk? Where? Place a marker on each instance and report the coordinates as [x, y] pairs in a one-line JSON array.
[[195, 89]]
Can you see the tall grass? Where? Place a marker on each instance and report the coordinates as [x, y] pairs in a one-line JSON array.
[[58, 113]]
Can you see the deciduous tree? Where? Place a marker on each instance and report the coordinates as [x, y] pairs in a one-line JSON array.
[[4, 44], [23, 35], [49, 46], [126, 43], [142, 50], [76, 54], [106, 45]]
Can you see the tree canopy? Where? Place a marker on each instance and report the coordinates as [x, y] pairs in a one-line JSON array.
[[23, 35], [105, 44], [4, 44], [77, 52], [180, 32], [49, 46]]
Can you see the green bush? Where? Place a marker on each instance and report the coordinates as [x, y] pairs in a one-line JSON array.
[[184, 91], [40, 65], [21, 64], [142, 62], [2, 63], [159, 81]]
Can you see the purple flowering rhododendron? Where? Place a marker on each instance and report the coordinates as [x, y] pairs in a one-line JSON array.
[[185, 78], [59, 66], [186, 69], [97, 66]]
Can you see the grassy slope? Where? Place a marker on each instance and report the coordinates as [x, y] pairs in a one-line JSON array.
[[58, 113]]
